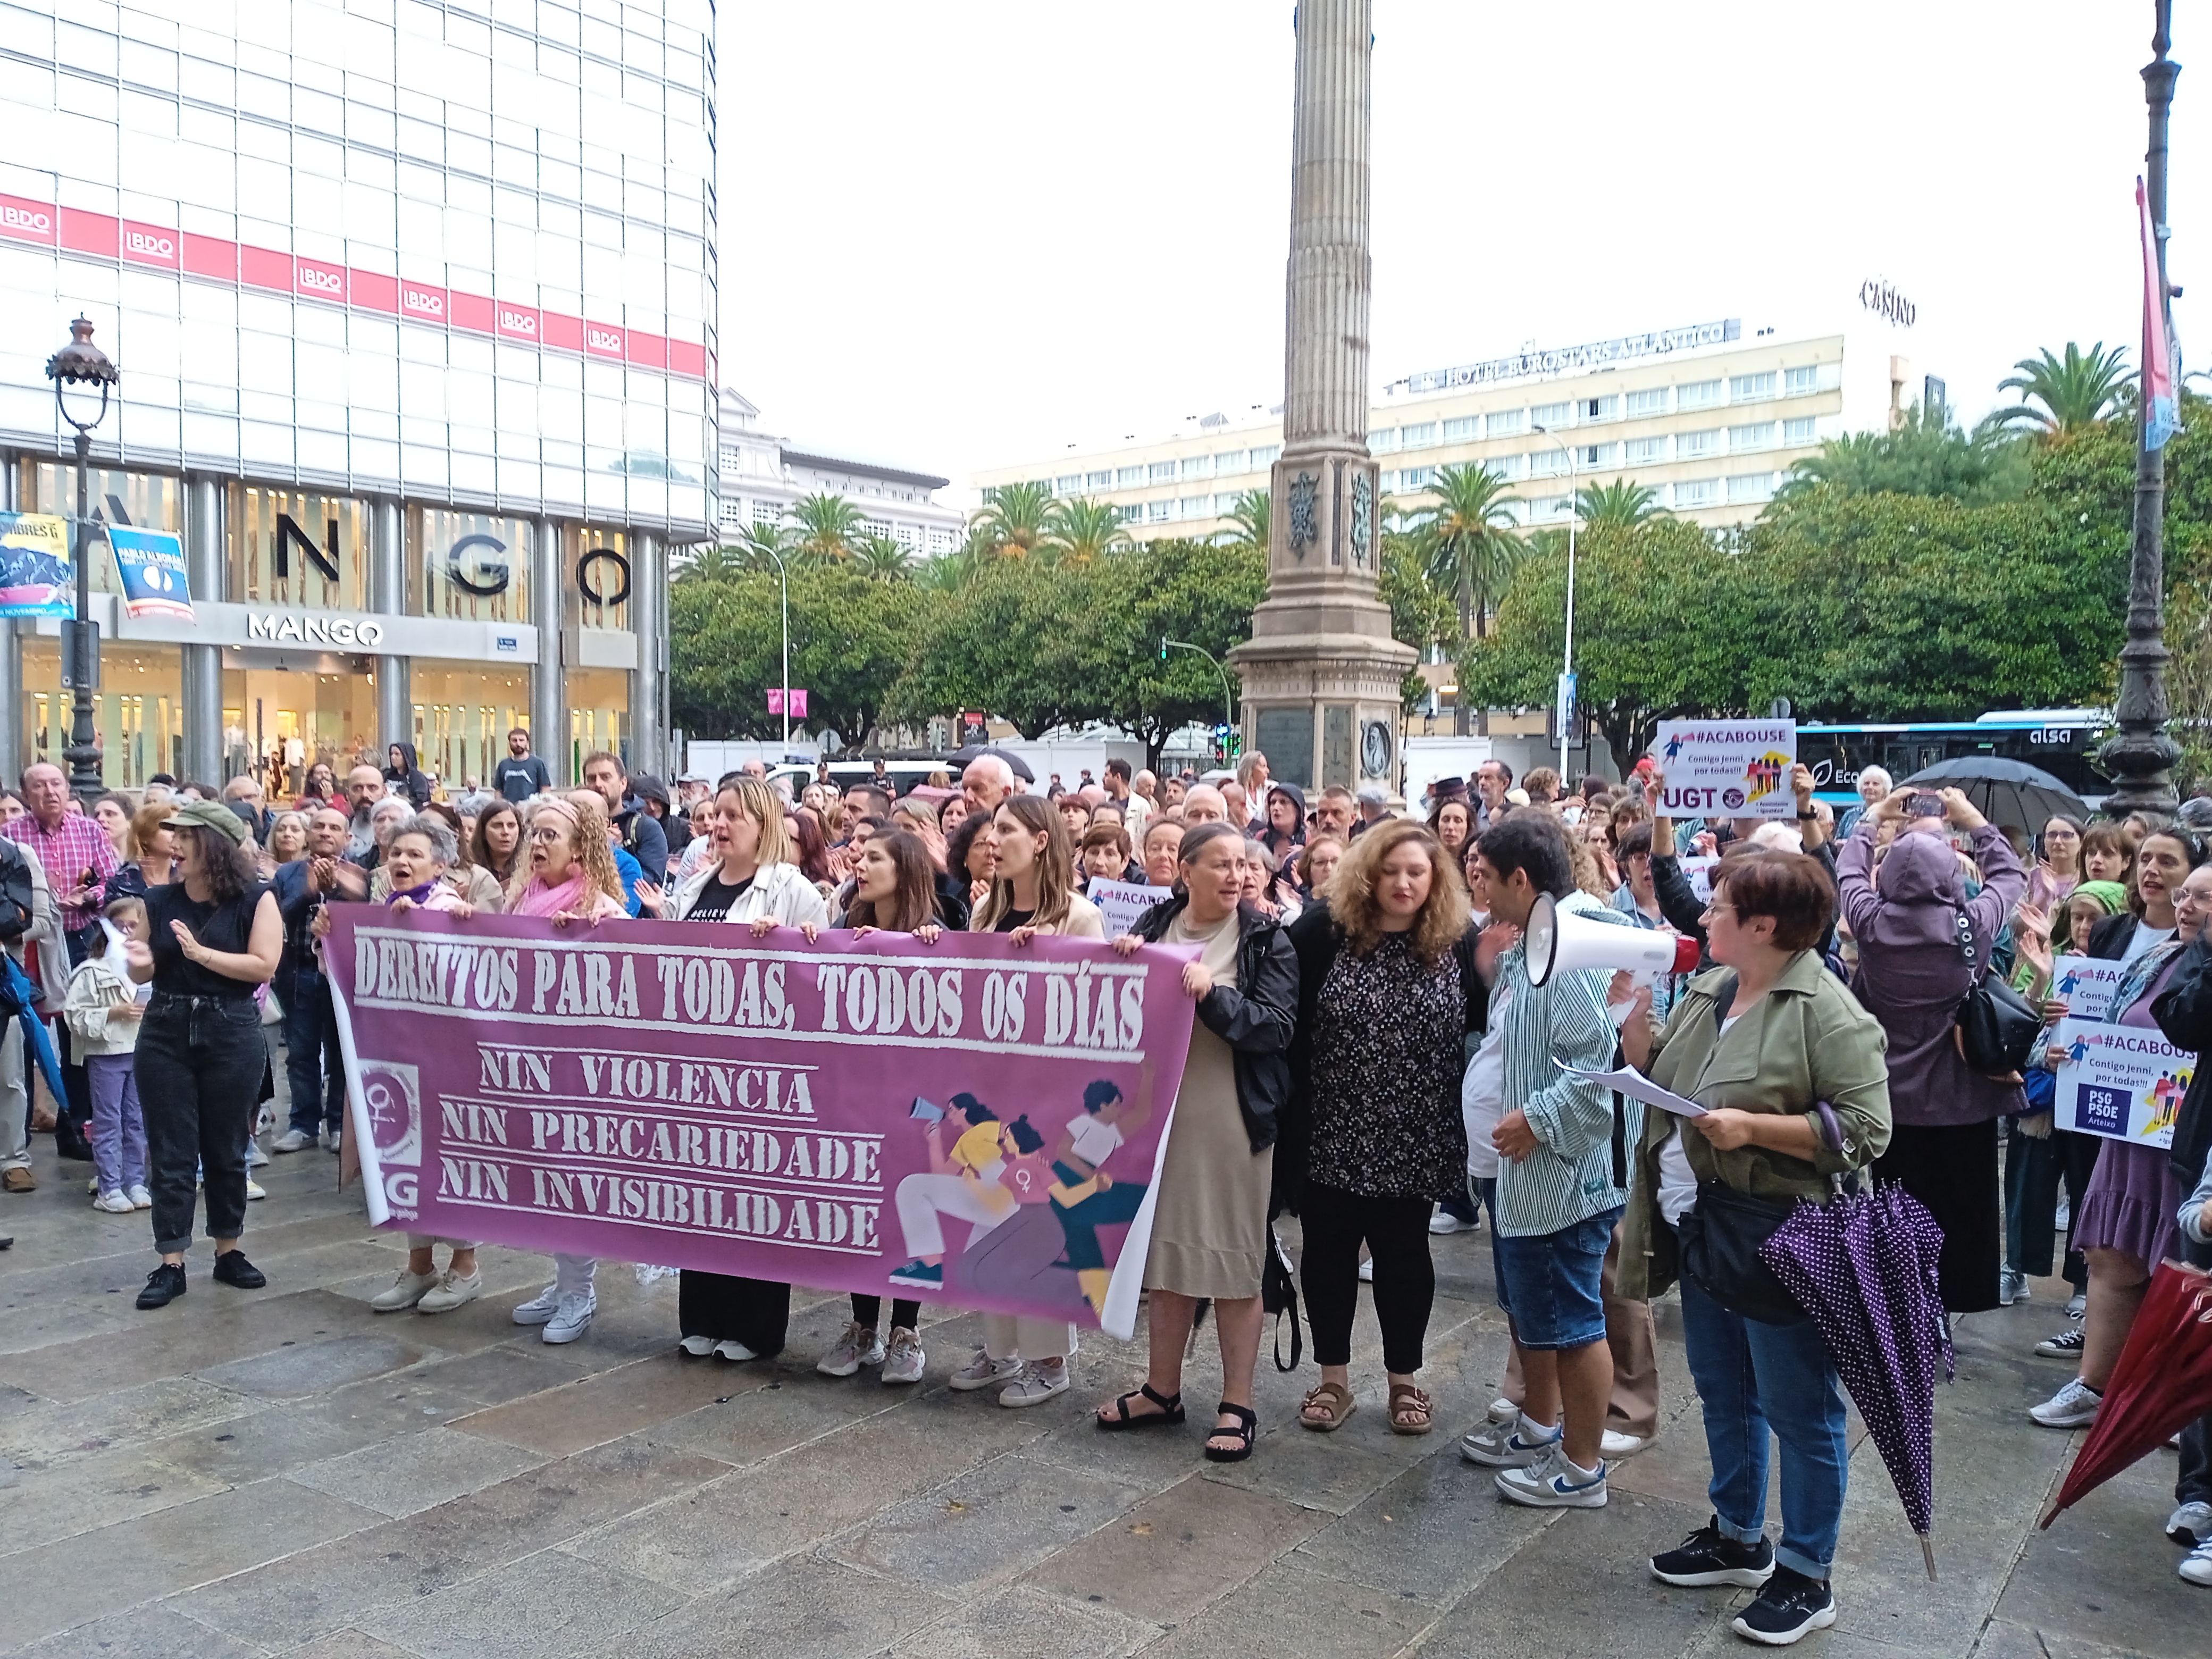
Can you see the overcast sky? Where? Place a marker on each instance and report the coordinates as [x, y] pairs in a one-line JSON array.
[[971, 233]]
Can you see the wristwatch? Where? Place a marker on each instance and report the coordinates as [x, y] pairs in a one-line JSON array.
[[1807, 817]]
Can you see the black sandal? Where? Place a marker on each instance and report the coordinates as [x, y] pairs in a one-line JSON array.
[[1248, 1424], [1170, 1411]]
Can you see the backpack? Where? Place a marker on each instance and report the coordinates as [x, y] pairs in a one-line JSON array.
[[17, 894]]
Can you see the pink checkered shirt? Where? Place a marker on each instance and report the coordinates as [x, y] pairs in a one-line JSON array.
[[76, 844]]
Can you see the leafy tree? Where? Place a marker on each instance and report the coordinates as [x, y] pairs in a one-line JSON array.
[[1201, 592], [826, 529], [1624, 502], [1013, 519], [759, 545], [711, 564], [1466, 540], [1420, 616], [883, 557], [2075, 391], [1928, 455], [850, 638], [1248, 521], [1079, 532]]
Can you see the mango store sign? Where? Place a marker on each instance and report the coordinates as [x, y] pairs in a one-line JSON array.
[[307, 627]]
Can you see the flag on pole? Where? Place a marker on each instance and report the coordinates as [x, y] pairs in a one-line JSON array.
[[2161, 419]]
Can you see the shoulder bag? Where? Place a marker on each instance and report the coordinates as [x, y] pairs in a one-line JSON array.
[[1995, 1027]]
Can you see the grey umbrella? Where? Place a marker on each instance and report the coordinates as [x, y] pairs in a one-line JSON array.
[[961, 758], [2006, 791]]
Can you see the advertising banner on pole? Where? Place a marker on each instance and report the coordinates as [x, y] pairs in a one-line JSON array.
[[2123, 1082], [969, 1122], [150, 564], [36, 576], [1727, 769]]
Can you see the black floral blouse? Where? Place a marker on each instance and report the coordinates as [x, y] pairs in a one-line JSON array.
[[1386, 1075]]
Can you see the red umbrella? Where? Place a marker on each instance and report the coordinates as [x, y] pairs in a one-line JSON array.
[[2163, 1381]]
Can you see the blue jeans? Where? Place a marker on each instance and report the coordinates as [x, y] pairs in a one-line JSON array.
[[1752, 1376], [312, 1062]]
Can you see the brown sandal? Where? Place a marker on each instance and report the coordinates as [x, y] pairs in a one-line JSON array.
[[1336, 1398], [1408, 1403]]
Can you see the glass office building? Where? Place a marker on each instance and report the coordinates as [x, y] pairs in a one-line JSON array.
[[414, 306]]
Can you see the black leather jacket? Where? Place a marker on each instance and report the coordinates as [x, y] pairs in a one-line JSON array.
[[1255, 1018]]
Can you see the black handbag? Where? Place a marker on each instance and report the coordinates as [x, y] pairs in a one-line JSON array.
[[1997, 1027], [1720, 1242], [1279, 1295]]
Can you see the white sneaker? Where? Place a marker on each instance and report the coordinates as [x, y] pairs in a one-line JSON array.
[[1502, 1410], [1036, 1384], [404, 1292], [330, 1140], [1554, 1484], [1514, 1445], [254, 1189], [982, 1371], [540, 1308], [857, 1347], [255, 1157], [697, 1346], [1443, 1223], [2074, 1406], [140, 1198], [292, 1140], [733, 1351], [2190, 1525], [573, 1317], [2196, 1567], [452, 1292], [1613, 1445], [113, 1203], [2077, 1306], [902, 1357]]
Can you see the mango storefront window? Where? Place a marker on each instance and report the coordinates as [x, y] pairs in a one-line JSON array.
[[462, 716], [137, 713], [278, 722]]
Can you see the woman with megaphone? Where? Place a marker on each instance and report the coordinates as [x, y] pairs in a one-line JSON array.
[[1789, 1071]]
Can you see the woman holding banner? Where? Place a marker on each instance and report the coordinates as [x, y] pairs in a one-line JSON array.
[[1210, 1236], [569, 876], [1032, 892], [2127, 1221], [754, 878]]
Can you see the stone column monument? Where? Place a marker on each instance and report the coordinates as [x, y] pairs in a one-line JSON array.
[[1320, 671]]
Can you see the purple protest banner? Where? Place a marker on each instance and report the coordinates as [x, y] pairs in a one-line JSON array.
[[966, 1122]]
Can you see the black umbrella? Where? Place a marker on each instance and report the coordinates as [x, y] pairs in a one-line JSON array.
[[2006, 791], [962, 758]]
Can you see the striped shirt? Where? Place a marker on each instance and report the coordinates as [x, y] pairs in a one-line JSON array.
[[1569, 1177]]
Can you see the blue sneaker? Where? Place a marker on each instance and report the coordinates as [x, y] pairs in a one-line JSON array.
[[1556, 1483], [922, 1275]]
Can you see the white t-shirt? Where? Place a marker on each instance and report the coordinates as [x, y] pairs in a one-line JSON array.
[[2143, 938], [1092, 1141], [1678, 1182], [1482, 1091]]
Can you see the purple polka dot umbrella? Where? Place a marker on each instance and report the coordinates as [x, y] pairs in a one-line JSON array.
[[1863, 1266]]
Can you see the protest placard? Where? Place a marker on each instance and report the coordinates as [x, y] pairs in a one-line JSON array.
[[968, 1121], [1121, 902], [2087, 983], [2123, 1082], [1727, 769]]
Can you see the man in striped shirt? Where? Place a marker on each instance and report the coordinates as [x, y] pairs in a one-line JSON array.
[[1557, 1203]]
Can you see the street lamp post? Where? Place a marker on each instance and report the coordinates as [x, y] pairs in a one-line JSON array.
[[2139, 757], [1567, 658], [76, 369], [1228, 714], [783, 575]]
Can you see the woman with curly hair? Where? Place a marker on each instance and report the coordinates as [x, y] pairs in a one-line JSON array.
[[1388, 991]]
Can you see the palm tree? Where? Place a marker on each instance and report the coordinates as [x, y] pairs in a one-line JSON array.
[[759, 545], [883, 556], [1466, 540], [1623, 502], [712, 564], [1248, 522], [1014, 518], [1077, 532], [826, 528], [2075, 391]]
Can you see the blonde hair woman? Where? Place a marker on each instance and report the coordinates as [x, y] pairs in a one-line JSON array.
[[1033, 889], [1388, 992]]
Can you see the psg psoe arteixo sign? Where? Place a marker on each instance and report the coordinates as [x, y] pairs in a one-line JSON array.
[[1727, 769], [2123, 1082], [967, 1121]]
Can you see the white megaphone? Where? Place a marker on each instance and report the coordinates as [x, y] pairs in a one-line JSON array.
[[1556, 939]]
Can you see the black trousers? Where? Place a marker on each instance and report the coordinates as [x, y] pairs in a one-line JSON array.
[[755, 1312], [1952, 1169], [2193, 1481], [199, 1066], [869, 1310], [1396, 1233]]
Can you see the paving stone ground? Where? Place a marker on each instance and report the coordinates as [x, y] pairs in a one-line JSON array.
[[285, 1472]]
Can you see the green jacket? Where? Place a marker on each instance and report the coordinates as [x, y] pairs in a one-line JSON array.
[[1806, 1039]]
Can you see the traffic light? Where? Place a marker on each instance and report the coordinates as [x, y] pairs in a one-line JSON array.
[[1163, 648]]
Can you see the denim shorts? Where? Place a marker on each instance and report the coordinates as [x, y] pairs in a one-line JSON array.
[[1549, 1283]]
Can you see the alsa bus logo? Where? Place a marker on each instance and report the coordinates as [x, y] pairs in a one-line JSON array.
[[147, 245]]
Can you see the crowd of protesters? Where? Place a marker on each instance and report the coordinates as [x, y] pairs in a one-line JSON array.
[[1372, 1055]]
